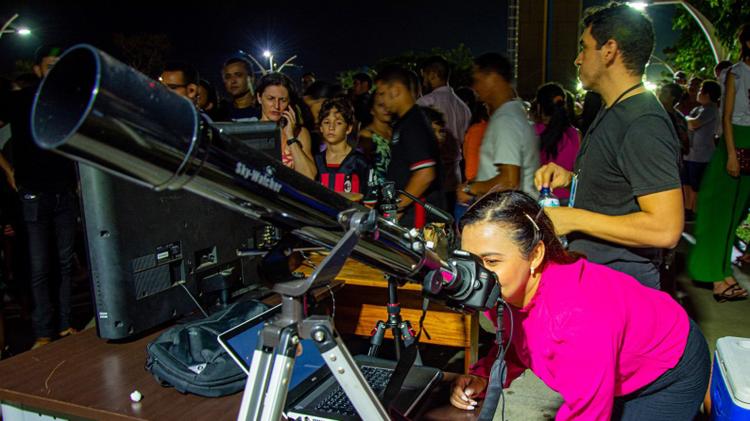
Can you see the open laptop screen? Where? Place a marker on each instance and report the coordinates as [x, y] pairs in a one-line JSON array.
[[241, 341]]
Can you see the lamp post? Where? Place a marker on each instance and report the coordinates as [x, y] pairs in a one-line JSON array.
[[8, 29], [717, 48], [663, 63], [269, 55]]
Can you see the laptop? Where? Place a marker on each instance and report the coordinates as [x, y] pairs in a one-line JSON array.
[[240, 343], [314, 393]]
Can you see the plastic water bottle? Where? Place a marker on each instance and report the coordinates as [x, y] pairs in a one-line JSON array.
[[546, 198]]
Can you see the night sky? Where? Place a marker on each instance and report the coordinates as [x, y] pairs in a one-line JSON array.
[[327, 36]]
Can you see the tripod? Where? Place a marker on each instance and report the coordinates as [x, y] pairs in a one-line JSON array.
[[403, 334], [273, 360]]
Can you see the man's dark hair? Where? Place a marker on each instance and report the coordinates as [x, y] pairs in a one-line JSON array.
[[630, 28], [276, 79], [246, 62], [321, 89], [495, 63], [46, 50], [391, 74], [713, 89], [363, 77], [188, 71], [439, 66], [342, 105]]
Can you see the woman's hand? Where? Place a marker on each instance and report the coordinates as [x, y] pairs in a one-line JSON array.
[[291, 121], [733, 165], [464, 389]]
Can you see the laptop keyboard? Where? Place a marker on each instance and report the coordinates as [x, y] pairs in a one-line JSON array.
[[336, 401]]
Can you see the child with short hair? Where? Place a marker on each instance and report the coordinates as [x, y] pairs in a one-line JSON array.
[[341, 168]]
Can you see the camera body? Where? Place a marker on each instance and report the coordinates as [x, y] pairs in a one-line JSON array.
[[468, 285]]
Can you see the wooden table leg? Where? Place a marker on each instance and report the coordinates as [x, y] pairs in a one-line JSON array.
[[471, 352]]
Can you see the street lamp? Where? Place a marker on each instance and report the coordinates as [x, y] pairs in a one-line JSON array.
[[269, 55], [706, 26], [8, 29]]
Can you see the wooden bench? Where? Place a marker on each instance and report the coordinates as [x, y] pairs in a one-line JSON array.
[[361, 303]]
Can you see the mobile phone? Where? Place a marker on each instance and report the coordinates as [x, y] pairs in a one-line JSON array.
[[283, 122]]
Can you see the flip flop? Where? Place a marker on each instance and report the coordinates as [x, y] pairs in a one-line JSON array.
[[732, 293]]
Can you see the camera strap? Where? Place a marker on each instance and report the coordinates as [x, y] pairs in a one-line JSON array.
[[498, 373], [408, 356]]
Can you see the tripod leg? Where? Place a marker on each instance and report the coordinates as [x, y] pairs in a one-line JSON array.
[[268, 380], [377, 338], [345, 370], [255, 388]]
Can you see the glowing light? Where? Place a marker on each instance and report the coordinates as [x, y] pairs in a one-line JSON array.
[[579, 86], [23, 31], [651, 86], [266, 54], [638, 5]]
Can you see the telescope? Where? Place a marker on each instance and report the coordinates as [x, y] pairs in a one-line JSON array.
[[96, 110]]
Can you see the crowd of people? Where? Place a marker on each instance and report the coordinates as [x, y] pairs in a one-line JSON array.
[[628, 165]]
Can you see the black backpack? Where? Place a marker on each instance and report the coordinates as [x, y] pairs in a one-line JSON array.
[[189, 358]]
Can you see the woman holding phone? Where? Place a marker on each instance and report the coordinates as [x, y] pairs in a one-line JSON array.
[[276, 97]]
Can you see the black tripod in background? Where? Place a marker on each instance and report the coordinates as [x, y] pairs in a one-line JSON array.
[[403, 334]]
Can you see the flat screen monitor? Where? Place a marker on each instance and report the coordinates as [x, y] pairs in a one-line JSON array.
[[148, 249]]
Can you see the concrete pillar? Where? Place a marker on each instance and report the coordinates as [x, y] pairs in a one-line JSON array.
[[548, 44]]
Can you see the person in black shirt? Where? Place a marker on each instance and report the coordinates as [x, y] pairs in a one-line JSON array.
[[626, 201], [341, 168], [46, 185], [414, 149], [238, 81]]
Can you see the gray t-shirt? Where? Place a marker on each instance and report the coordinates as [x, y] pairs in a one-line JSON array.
[[630, 150], [741, 113], [510, 140], [702, 139]]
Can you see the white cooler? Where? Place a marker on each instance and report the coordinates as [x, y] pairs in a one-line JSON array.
[[730, 381]]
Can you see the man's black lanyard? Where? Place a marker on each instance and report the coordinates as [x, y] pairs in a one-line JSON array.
[[598, 121]]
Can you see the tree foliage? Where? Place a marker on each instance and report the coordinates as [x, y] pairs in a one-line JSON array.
[[692, 52], [459, 57], [146, 52]]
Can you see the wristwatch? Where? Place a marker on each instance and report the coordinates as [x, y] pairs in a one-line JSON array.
[[293, 140], [467, 189]]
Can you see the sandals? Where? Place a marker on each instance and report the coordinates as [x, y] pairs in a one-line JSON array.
[[733, 292]]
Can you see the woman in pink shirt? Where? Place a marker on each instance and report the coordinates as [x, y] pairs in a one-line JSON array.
[[610, 346], [558, 139]]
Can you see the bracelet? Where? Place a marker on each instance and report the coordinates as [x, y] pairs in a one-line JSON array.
[[293, 140]]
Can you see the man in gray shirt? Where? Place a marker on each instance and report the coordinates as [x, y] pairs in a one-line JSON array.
[[509, 154]]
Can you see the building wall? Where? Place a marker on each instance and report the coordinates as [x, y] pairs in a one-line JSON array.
[[548, 44]]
